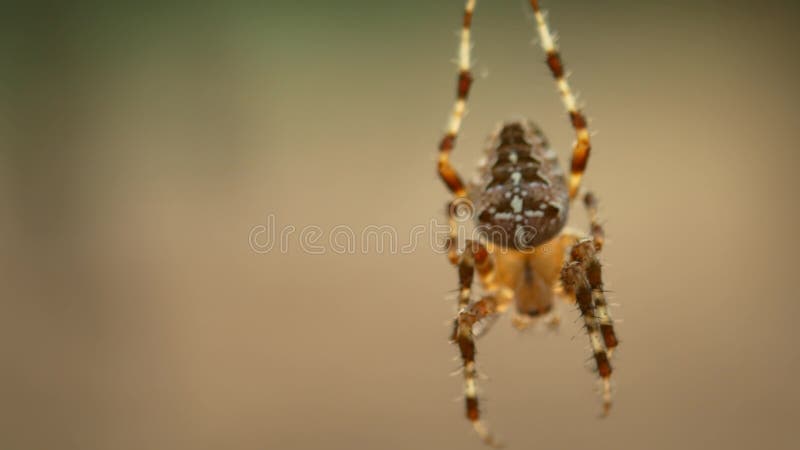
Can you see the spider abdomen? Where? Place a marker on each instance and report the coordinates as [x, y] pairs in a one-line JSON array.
[[522, 199]]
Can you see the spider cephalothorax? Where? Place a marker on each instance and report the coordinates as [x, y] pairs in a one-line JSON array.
[[522, 254]]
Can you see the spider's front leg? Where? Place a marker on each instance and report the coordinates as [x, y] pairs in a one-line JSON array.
[[475, 258], [582, 278], [588, 254], [576, 282], [464, 336]]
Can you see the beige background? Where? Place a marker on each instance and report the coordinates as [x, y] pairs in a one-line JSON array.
[[141, 144]]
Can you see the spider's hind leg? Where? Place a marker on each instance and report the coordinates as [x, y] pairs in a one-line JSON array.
[[447, 172], [582, 146]]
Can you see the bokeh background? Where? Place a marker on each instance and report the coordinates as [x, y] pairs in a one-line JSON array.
[[143, 141]]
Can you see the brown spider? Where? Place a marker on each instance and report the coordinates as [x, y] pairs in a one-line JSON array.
[[523, 254]]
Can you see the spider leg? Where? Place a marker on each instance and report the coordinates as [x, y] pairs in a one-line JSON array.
[[465, 338], [470, 320], [485, 326], [595, 229], [594, 271], [582, 279], [582, 146], [576, 282], [475, 258], [588, 255], [446, 171]]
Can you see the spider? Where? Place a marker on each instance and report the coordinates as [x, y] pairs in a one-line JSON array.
[[523, 254]]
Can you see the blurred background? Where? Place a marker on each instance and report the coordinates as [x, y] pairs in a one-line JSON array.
[[143, 142]]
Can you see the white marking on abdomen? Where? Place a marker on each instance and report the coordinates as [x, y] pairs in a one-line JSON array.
[[516, 204]]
